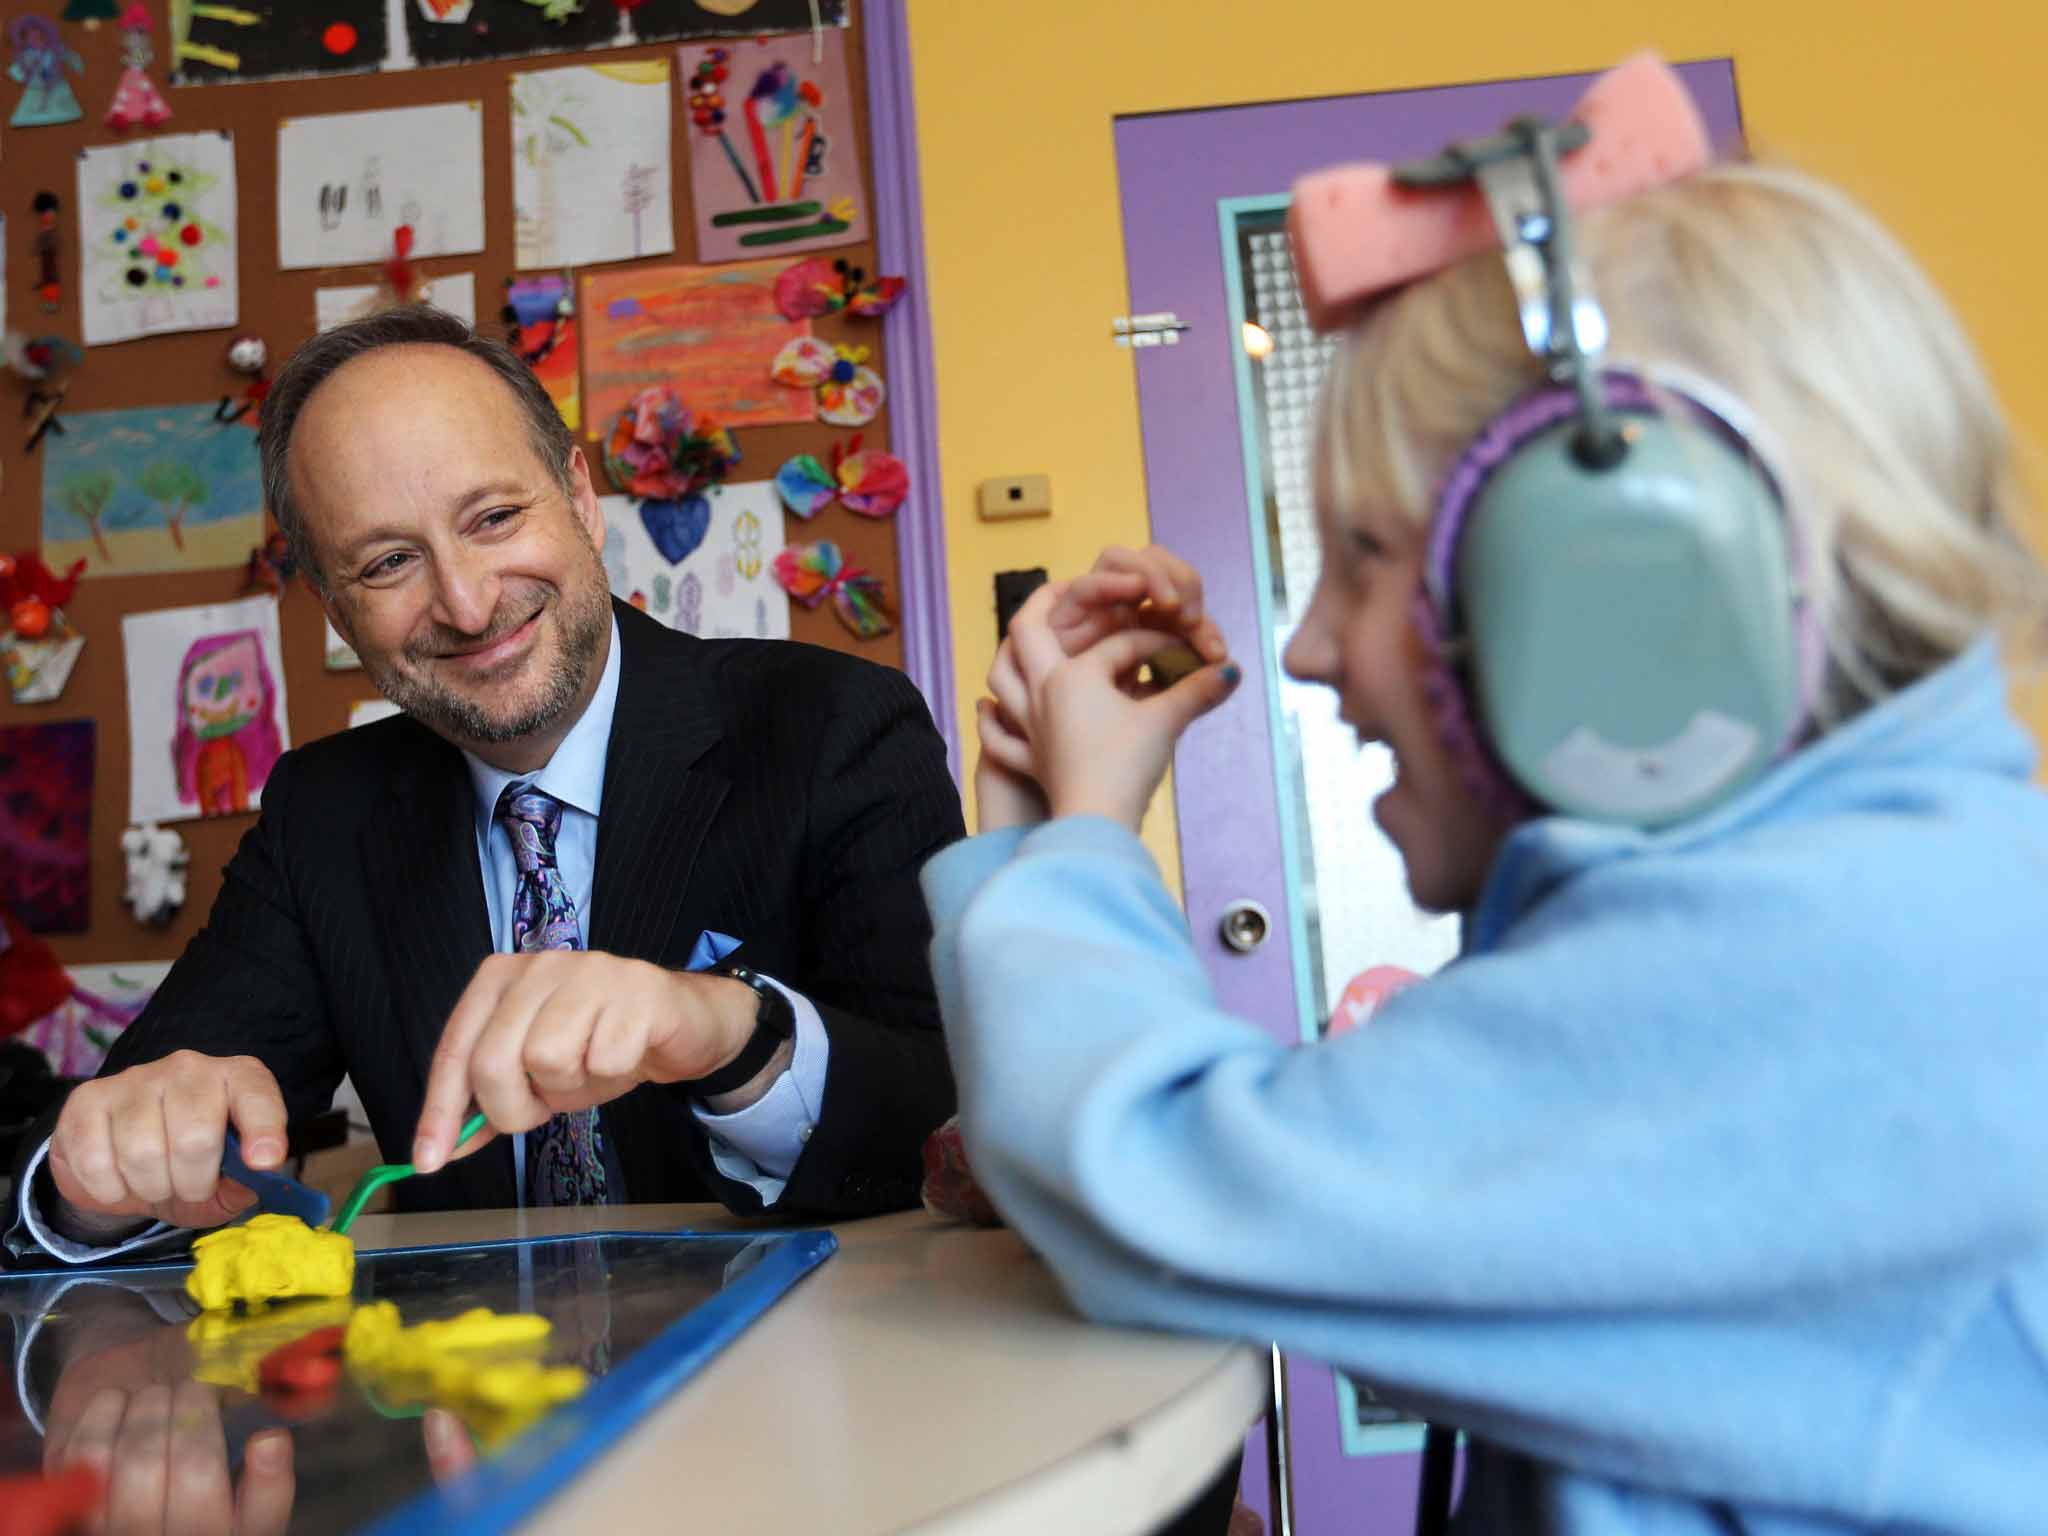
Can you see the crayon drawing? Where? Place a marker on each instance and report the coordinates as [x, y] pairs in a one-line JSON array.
[[164, 488], [773, 163], [590, 164], [709, 332], [347, 181], [206, 716], [723, 589]]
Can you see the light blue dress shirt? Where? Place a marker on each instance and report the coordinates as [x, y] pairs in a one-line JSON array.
[[757, 1145]]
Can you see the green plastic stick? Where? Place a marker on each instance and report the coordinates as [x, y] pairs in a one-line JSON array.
[[376, 1178]]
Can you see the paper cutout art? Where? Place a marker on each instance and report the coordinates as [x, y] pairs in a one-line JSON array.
[[38, 645], [542, 314], [590, 164], [46, 824], [724, 587], [40, 362], [100, 1002], [820, 287], [848, 392], [156, 859], [702, 329], [40, 59], [455, 293], [814, 573], [868, 481], [206, 715], [773, 165], [137, 101], [157, 232], [162, 488], [214, 42], [347, 181]]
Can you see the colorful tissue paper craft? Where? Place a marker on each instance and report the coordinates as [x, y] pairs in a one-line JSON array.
[[541, 312], [157, 235], [46, 774], [165, 488], [206, 708], [137, 101], [703, 328], [38, 645], [773, 165], [661, 451], [848, 392], [812, 573], [725, 588], [40, 59], [818, 287], [215, 43], [590, 164], [867, 481]]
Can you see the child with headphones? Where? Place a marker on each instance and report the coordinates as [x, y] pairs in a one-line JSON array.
[[1671, 556]]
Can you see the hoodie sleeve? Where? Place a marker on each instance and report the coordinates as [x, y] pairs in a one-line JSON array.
[[1563, 1194]]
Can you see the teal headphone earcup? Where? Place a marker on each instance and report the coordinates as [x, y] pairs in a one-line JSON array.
[[1629, 635]]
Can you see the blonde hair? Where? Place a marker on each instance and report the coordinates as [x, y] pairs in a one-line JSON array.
[[1898, 465]]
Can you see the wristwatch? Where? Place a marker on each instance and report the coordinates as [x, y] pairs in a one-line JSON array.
[[774, 1022]]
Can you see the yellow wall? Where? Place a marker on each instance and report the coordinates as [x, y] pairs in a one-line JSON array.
[[1935, 116]]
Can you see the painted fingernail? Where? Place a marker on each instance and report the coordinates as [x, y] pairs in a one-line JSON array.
[[1232, 675]]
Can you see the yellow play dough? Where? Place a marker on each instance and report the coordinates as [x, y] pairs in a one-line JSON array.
[[483, 1365], [266, 1258]]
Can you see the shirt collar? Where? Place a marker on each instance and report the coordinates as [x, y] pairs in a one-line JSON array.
[[575, 774]]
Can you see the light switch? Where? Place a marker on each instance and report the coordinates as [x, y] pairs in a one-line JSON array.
[[1016, 496]]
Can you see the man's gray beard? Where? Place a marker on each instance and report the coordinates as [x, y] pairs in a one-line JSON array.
[[449, 714]]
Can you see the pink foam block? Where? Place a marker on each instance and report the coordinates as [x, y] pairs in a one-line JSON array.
[[1357, 234]]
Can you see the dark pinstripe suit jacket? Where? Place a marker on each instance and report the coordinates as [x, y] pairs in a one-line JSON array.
[[777, 792]]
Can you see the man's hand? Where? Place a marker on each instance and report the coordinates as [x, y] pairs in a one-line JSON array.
[[535, 1035], [147, 1141]]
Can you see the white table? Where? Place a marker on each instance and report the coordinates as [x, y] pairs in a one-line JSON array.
[[927, 1377]]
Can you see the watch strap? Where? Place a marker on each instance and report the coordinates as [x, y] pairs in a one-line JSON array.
[[774, 1022]]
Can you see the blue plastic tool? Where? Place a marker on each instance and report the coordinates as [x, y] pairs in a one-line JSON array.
[[276, 1193]]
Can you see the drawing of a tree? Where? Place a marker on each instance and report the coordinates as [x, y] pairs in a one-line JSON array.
[[639, 190], [85, 496], [174, 487]]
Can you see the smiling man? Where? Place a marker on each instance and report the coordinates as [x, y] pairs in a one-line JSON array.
[[647, 901]]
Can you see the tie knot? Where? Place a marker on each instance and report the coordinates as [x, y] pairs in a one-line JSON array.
[[532, 817]]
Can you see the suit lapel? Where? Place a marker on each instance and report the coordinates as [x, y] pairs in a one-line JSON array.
[[656, 809]]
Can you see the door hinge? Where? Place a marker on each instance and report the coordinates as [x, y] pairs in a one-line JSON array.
[[1156, 330]]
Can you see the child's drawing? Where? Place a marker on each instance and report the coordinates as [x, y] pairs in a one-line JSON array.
[[164, 488], [590, 164], [347, 181], [206, 715]]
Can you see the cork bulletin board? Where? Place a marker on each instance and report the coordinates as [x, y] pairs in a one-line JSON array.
[[190, 369]]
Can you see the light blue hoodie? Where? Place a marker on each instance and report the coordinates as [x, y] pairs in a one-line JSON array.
[[1708, 1190]]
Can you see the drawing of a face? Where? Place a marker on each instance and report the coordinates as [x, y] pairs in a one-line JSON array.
[[224, 691]]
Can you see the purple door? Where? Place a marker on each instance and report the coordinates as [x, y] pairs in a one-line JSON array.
[[1271, 794]]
